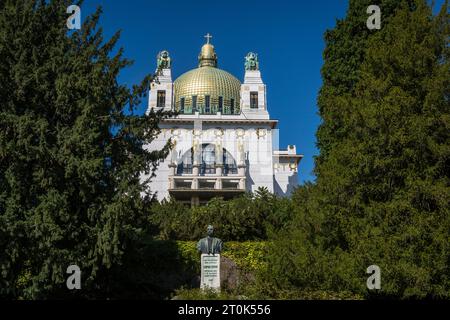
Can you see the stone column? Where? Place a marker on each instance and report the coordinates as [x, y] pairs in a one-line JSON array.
[[240, 153], [172, 169], [172, 172], [241, 170], [242, 184], [219, 170], [194, 184], [219, 158], [196, 149], [218, 184], [174, 155], [195, 169]]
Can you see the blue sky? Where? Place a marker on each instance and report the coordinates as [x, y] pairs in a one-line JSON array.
[[287, 35]]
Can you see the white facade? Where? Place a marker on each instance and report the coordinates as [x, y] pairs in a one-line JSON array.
[[218, 154]]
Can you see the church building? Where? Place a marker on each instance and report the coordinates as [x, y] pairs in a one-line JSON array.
[[225, 143]]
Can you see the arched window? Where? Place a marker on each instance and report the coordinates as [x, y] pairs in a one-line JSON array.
[[208, 161], [229, 164]]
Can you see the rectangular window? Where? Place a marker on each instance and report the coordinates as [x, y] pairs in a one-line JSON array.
[[194, 104], [232, 106], [254, 100], [182, 105], [161, 99], [220, 104], [207, 104]]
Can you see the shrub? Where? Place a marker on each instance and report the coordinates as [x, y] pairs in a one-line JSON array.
[[246, 218]]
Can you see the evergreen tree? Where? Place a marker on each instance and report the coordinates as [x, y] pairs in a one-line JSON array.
[[382, 191], [395, 164], [345, 49], [70, 153]]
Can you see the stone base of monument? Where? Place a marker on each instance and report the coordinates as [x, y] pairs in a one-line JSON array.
[[219, 272], [210, 272]]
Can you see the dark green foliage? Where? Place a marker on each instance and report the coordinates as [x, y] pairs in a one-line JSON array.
[[251, 259], [165, 266], [249, 217], [69, 187], [382, 190], [250, 293], [344, 53]]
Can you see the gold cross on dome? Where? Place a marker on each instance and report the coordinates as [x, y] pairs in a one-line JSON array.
[[208, 37]]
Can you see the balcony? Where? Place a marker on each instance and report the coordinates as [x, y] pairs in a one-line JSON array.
[[204, 188], [204, 182]]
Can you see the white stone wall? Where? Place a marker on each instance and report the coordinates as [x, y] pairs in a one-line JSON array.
[[160, 183], [285, 177], [260, 162], [247, 143]]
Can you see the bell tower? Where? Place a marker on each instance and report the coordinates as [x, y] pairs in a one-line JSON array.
[[253, 90], [161, 88]]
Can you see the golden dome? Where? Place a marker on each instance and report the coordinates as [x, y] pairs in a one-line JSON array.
[[222, 88]]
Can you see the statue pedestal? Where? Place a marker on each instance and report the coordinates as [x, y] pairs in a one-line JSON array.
[[210, 272]]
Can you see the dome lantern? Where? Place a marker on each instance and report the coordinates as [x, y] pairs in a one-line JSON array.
[[207, 56]]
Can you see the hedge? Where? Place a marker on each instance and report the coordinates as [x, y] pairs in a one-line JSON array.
[[248, 255]]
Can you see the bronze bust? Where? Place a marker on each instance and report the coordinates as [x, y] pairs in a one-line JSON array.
[[210, 245]]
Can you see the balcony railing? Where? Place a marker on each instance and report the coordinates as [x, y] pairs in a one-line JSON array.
[[196, 183], [207, 169], [230, 169], [184, 169]]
